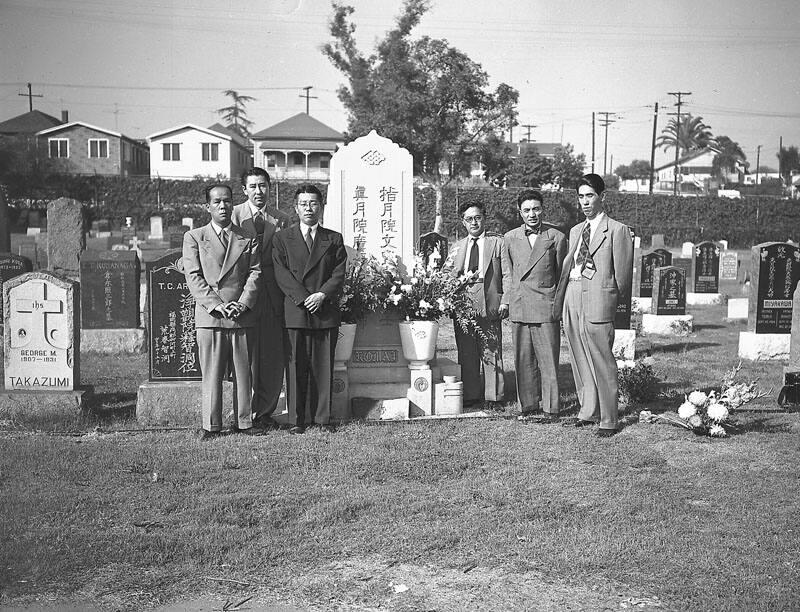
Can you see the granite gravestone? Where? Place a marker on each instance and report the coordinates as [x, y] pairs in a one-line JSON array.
[[685, 265], [11, 266], [729, 265], [706, 267], [65, 236], [775, 271], [5, 225], [669, 291], [110, 290], [433, 248], [651, 261], [657, 241], [171, 333], [41, 339], [794, 345], [176, 233]]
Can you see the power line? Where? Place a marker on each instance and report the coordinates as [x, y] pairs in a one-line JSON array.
[[30, 95], [678, 95], [307, 96], [153, 88], [607, 120]]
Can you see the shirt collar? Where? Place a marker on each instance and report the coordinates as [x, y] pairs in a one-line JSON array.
[[594, 222], [255, 209], [218, 228], [304, 229]]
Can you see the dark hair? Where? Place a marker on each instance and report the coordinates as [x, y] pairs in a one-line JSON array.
[[467, 205], [308, 188], [214, 186], [255, 171], [529, 194], [595, 181]]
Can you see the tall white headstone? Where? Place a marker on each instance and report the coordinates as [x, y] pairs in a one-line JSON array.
[[371, 197]]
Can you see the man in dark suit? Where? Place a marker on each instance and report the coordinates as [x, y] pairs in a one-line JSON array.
[[222, 268], [532, 258], [479, 255], [258, 220], [310, 263]]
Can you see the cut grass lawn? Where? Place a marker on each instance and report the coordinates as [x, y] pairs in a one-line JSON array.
[[489, 514]]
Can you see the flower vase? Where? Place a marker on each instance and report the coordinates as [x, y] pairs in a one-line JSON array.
[[344, 345], [419, 341]]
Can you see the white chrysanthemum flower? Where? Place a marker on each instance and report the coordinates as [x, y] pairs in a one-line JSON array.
[[395, 298], [414, 280], [686, 410], [717, 431], [695, 420], [405, 288], [698, 398], [441, 303], [717, 412], [424, 305]]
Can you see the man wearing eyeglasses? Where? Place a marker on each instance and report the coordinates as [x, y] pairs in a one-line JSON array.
[[478, 258], [310, 263]]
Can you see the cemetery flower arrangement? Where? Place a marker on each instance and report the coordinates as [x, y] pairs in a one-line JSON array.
[[366, 285], [711, 413]]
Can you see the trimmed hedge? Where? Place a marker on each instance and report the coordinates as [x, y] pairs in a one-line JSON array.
[[742, 222]]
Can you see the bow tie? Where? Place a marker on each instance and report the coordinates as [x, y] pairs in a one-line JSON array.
[[535, 230]]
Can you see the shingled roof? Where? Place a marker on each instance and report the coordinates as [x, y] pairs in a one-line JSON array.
[[29, 123], [299, 127]]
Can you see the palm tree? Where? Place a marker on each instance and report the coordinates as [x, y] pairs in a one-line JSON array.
[[691, 135], [729, 156]]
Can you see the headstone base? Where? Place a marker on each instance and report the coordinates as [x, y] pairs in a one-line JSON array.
[[420, 393], [737, 308], [113, 341], [379, 409], [667, 325], [704, 299], [176, 404], [763, 347], [340, 401], [625, 344], [18, 405], [449, 398]]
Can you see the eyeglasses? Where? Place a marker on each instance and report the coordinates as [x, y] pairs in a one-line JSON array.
[[475, 219], [308, 205]]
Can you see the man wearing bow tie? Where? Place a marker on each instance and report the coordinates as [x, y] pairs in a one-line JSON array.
[[260, 221], [479, 256], [533, 255], [222, 268]]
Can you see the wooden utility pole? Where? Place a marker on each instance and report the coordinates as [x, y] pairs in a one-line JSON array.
[[529, 127], [307, 96], [653, 148], [758, 160], [678, 95], [606, 121], [592, 142], [780, 159], [30, 95]]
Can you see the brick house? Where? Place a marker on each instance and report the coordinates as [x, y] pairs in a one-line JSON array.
[[80, 148]]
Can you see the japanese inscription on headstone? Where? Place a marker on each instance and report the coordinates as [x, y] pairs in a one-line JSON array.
[[172, 337], [775, 271], [706, 267], [651, 261], [110, 290], [41, 333], [669, 289]]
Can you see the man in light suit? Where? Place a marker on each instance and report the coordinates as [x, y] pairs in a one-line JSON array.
[[532, 258], [480, 254], [222, 268], [258, 220], [596, 275], [310, 263]]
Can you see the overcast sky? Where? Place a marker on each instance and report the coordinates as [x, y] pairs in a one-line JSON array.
[[141, 67]]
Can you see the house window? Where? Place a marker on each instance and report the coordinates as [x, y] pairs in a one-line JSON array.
[[272, 160], [172, 151], [324, 162], [59, 147], [98, 147], [210, 151], [298, 159]]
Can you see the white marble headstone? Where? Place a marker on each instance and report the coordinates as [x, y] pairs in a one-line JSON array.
[[371, 198], [188, 222], [687, 249], [156, 228]]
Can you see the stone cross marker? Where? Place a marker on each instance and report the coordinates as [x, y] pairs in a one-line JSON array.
[[371, 198], [729, 265], [774, 274], [171, 333], [110, 290], [651, 261], [11, 266], [706, 267], [65, 236], [41, 338], [669, 291]]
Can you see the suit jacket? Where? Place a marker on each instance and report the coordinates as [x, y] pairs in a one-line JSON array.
[[270, 298], [216, 276], [300, 273], [611, 250], [530, 276], [486, 296]]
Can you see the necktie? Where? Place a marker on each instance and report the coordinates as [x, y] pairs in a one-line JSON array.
[[583, 253], [309, 240], [258, 220], [223, 238], [473, 257]]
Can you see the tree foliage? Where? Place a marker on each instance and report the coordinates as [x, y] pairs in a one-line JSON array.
[[728, 158], [637, 169], [692, 134], [422, 93], [530, 170], [788, 161], [567, 167], [235, 115]]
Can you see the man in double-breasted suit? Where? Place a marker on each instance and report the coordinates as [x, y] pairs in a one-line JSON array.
[[596, 275], [480, 255], [222, 268], [532, 258], [258, 220], [310, 263]]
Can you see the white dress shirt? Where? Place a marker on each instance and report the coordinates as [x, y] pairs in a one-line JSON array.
[[575, 273], [304, 229], [480, 244]]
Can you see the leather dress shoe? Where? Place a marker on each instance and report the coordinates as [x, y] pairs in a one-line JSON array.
[[327, 428], [297, 429], [204, 434], [250, 431], [605, 433], [582, 423], [266, 422]]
